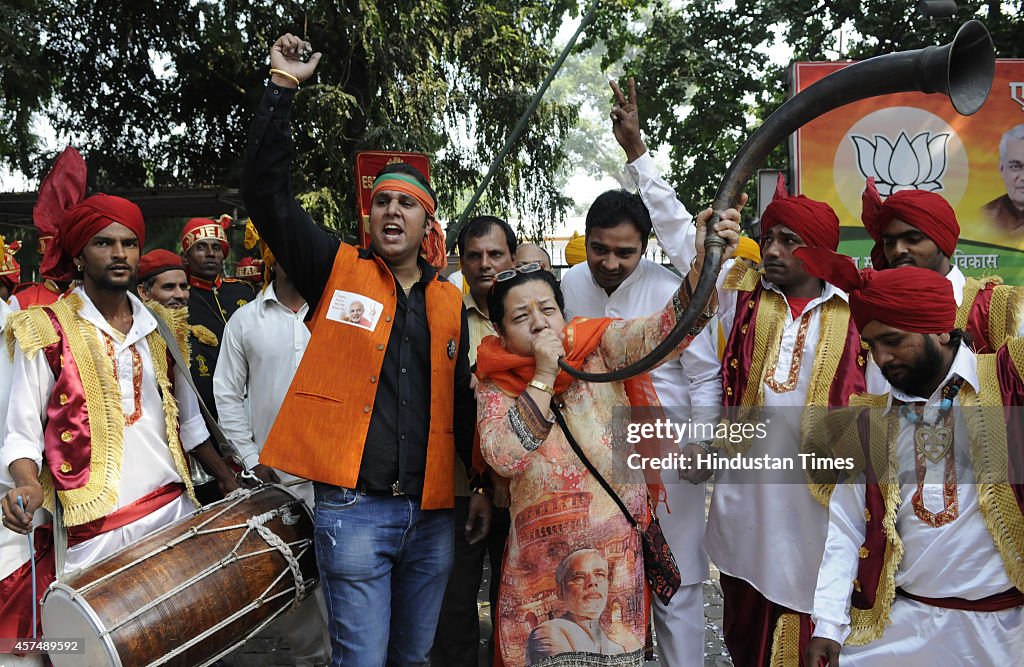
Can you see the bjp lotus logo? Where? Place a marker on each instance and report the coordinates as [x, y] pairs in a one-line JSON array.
[[904, 164]]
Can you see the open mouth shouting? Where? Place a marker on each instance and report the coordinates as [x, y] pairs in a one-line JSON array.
[[392, 232]]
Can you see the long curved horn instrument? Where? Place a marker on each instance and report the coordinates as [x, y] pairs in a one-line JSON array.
[[962, 70]]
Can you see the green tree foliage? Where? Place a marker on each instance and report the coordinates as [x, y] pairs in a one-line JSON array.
[[159, 94], [26, 80]]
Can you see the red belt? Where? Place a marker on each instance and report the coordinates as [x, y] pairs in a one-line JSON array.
[[123, 516], [999, 602]]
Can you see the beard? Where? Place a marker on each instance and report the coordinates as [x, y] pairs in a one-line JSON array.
[[915, 377], [105, 280]]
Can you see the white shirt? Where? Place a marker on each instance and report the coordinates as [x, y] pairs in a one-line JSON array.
[[457, 279], [146, 465], [958, 559], [6, 370], [784, 520], [673, 224], [260, 351]]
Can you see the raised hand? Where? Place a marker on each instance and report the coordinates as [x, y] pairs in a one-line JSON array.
[[286, 55], [626, 121]]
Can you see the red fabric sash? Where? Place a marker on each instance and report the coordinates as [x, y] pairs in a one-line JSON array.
[[16, 588], [978, 319], [1010, 599]]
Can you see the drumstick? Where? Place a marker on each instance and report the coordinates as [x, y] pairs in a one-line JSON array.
[[32, 559]]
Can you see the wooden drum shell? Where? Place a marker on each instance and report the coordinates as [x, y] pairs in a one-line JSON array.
[[233, 584]]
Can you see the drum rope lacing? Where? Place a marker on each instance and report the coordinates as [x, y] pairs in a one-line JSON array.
[[253, 524]]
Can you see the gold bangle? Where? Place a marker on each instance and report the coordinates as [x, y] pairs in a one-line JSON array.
[[546, 388], [287, 75]]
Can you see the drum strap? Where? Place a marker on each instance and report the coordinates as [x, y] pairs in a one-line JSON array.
[[223, 444], [60, 537]]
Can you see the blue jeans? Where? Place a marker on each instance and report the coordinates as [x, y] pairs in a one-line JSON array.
[[384, 564]]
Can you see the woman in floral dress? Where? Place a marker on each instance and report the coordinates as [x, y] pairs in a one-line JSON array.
[[572, 587]]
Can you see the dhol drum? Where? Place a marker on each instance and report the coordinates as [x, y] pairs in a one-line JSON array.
[[192, 591]]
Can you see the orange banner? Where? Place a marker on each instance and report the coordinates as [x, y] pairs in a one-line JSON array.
[[914, 140]]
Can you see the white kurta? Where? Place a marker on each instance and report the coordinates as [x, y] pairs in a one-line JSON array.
[[958, 559], [260, 351], [784, 521], [13, 547], [147, 463]]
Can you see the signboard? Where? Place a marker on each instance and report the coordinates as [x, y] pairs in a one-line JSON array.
[[368, 165], [914, 140]]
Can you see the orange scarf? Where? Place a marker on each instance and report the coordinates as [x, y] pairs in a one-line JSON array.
[[511, 372]]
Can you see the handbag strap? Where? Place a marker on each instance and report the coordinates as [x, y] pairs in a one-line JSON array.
[[590, 466], [211, 422]]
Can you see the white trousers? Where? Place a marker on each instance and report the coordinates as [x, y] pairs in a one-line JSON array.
[[925, 636], [680, 627]]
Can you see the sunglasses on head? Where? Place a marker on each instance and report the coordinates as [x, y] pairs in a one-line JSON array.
[[509, 274]]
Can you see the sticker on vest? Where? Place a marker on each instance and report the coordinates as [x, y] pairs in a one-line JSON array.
[[355, 309], [451, 348]]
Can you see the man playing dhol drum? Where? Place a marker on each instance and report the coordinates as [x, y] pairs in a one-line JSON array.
[[103, 415]]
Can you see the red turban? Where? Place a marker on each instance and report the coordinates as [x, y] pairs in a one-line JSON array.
[[155, 262], [83, 221], [198, 229], [908, 298], [815, 221], [926, 211], [62, 188]]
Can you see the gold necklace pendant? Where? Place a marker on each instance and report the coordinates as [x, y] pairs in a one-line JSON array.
[[933, 441], [406, 287]]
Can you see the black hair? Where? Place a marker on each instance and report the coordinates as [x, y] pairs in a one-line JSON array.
[[480, 226], [614, 207], [957, 336], [409, 170], [496, 297]]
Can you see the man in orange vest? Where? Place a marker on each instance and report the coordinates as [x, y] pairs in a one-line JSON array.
[[376, 413]]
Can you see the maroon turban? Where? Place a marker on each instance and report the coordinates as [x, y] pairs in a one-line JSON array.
[[815, 221], [155, 262], [908, 298], [926, 211], [85, 220]]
